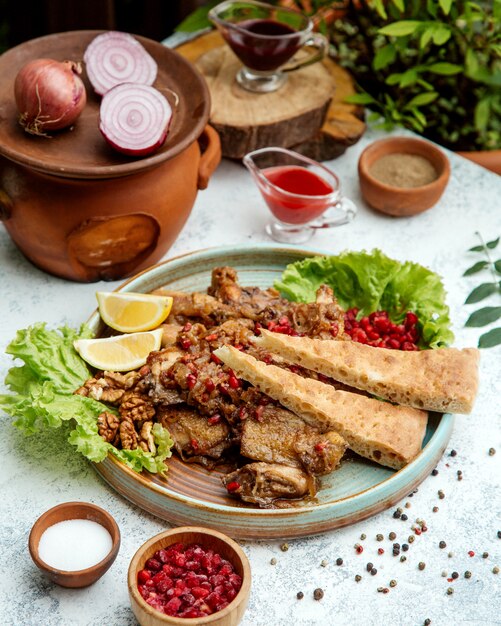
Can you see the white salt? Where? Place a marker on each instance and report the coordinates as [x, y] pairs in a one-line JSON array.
[[74, 544]]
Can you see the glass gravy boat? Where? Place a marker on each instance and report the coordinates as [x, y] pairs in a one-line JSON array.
[[265, 38], [302, 194]]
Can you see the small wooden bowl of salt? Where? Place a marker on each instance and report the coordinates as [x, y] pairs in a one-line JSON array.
[[74, 543], [402, 176]]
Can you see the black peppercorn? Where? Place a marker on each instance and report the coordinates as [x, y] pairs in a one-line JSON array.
[[373, 571], [442, 544], [392, 536], [339, 561], [369, 566], [427, 622], [358, 578], [467, 574], [404, 517], [422, 565], [454, 575], [300, 595], [318, 594], [405, 547], [453, 453], [434, 472]]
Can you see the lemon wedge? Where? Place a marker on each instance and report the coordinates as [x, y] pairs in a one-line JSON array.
[[133, 312], [122, 353]]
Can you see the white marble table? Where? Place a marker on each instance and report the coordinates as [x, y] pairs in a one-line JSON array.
[[42, 471]]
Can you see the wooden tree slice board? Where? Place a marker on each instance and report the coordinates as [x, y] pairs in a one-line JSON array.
[[307, 115]]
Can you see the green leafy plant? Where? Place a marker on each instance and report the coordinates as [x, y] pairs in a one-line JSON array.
[[433, 66], [487, 314]]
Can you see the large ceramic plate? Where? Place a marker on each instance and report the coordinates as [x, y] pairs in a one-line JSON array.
[[193, 495], [82, 152]]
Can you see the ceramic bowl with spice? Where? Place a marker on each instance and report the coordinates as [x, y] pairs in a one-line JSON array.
[[402, 176], [189, 575], [74, 543]]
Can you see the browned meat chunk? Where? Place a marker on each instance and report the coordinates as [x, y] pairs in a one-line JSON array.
[[282, 437], [190, 307], [196, 439], [250, 302], [263, 483]]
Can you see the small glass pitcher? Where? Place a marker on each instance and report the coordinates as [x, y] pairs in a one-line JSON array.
[[302, 195], [265, 38]]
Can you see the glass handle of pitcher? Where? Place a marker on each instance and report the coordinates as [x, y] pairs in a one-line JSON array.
[[348, 211], [316, 40]]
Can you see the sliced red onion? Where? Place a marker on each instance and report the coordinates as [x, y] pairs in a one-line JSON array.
[[114, 58], [135, 119]]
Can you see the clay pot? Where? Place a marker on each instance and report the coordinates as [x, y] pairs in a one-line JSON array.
[[77, 209]]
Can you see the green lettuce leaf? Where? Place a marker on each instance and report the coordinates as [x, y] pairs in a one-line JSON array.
[[371, 282], [42, 397]]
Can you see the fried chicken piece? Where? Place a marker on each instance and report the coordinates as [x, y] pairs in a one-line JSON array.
[[196, 438], [263, 483], [280, 436], [249, 302]]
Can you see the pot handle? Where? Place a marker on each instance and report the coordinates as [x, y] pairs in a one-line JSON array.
[[210, 146], [5, 206]]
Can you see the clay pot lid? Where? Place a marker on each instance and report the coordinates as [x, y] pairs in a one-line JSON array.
[[82, 152]]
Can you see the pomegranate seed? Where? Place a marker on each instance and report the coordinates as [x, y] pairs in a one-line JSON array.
[[334, 329], [320, 446], [284, 321], [195, 446], [359, 335], [215, 359], [359, 549], [209, 384], [243, 413], [258, 413], [191, 381], [211, 337], [153, 565], [143, 576], [185, 344], [234, 382], [233, 486], [215, 419], [200, 592], [411, 319]]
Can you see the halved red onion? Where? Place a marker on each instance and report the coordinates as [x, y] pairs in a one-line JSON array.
[[135, 119], [114, 58]]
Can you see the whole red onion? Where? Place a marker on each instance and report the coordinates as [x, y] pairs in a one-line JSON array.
[[50, 95]]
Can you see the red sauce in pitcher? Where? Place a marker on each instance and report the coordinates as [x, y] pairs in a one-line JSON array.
[[307, 197], [261, 45]]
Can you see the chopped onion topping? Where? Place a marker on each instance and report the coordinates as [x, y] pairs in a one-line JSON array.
[[114, 58], [135, 119]]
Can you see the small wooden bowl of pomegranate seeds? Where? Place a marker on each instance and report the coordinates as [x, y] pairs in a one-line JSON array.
[[189, 575]]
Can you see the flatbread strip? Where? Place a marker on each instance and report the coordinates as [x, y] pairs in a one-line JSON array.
[[441, 380], [390, 435]]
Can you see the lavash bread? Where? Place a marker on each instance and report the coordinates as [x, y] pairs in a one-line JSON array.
[[444, 380], [390, 435]]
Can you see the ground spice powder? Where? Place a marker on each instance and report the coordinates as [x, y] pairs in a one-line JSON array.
[[403, 170]]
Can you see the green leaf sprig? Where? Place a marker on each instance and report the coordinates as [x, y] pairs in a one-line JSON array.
[[487, 314]]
